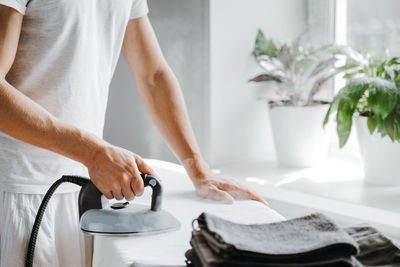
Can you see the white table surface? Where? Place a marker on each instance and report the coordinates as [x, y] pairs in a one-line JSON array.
[[335, 186], [168, 249]]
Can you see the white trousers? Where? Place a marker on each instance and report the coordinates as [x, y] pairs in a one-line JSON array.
[[60, 241]]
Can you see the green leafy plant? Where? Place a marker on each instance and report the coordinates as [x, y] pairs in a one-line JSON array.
[[299, 68], [373, 91]]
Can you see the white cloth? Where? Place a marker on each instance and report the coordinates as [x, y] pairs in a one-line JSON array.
[[169, 249], [67, 53], [60, 241]]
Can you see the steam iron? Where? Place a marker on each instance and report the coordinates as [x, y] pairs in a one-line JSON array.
[[124, 218]]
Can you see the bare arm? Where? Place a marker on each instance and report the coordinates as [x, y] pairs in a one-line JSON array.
[[162, 97], [20, 117], [112, 169]]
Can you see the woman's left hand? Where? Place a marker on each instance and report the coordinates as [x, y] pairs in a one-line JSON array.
[[224, 190], [212, 186]]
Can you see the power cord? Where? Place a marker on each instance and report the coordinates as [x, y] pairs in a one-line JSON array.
[[81, 181]]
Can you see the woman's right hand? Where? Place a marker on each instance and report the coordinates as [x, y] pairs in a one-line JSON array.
[[116, 172]]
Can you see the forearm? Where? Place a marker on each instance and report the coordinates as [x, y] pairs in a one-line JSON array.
[[163, 100], [161, 94], [23, 119]]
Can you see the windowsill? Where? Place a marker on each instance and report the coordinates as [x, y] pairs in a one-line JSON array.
[[334, 186]]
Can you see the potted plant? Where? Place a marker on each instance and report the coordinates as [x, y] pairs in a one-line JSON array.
[[372, 97], [299, 70]]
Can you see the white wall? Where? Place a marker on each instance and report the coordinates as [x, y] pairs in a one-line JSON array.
[[239, 122]]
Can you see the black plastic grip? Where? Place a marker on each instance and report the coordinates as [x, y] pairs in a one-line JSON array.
[[90, 197], [156, 195]]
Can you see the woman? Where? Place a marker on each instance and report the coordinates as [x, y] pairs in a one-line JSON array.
[[57, 58]]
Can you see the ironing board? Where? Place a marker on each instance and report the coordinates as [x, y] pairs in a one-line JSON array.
[[168, 249]]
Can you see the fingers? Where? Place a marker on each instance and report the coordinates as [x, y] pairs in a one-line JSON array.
[[238, 191], [212, 192], [105, 191], [116, 172], [127, 190], [220, 195], [143, 167], [136, 184], [108, 195], [132, 183], [253, 196], [117, 194]]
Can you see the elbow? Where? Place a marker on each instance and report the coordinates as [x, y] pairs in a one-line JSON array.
[[3, 81], [154, 78], [3, 75]]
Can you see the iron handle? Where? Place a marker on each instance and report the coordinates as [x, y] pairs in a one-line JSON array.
[[90, 197], [156, 194]]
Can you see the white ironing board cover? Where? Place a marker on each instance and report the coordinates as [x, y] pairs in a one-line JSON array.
[[169, 249]]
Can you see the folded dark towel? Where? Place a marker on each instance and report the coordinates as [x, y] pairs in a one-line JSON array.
[[301, 238], [313, 240], [375, 248], [192, 260], [202, 255]]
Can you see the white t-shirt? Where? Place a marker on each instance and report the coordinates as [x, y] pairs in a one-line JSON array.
[[67, 53]]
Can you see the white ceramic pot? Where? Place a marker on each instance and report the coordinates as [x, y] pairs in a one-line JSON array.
[[300, 139], [380, 156]]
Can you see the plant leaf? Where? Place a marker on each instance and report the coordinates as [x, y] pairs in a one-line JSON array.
[[382, 96], [391, 125], [265, 78], [328, 113], [344, 119], [265, 46], [381, 69], [286, 56], [347, 100], [397, 79], [270, 64], [394, 61], [372, 122]]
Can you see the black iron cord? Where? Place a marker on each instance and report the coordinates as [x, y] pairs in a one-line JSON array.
[[36, 226]]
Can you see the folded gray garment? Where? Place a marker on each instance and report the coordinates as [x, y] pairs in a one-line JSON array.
[[223, 243], [201, 255], [311, 236], [375, 248]]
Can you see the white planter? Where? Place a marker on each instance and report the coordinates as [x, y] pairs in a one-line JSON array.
[[299, 137], [380, 156]]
